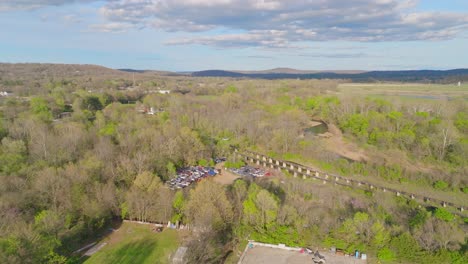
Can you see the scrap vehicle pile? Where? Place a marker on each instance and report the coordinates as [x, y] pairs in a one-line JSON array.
[[249, 171], [189, 175], [219, 160]]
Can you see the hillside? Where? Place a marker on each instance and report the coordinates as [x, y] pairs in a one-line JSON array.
[[371, 76], [48, 70], [295, 71]]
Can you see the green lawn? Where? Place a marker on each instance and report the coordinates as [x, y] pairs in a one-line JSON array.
[[135, 243]]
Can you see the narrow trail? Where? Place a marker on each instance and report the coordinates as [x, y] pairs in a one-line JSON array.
[[299, 170]]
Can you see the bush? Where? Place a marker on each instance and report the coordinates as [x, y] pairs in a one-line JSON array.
[[233, 165], [444, 215], [440, 185], [419, 219], [203, 162], [385, 254], [461, 121]]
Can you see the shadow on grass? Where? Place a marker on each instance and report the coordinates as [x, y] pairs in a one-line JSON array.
[[80, 238]]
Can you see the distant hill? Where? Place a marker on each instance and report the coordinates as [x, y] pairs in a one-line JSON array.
[[31, 71], [132, 70], [357, 76], [167, 73], [295, 71], [20, 71]]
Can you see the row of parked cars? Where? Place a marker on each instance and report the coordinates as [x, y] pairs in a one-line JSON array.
[[189, 175], [249, 171]]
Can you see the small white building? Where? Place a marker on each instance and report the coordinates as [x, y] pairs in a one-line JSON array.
[[164, 91]]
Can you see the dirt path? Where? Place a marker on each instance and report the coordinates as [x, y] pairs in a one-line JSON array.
[[225, 177], [335, 142]]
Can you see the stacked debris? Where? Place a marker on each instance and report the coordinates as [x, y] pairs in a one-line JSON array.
[[248, 171], [318, 258], [189, 175]]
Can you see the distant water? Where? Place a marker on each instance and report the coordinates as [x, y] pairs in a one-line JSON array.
[[318, 129], [416, 96], [431, 97]]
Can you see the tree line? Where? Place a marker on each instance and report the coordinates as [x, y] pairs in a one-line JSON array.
[[63, 179]]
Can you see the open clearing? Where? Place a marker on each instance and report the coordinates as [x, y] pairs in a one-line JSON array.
[[225, 177], [266, 255], [337, 144], [136, 243]]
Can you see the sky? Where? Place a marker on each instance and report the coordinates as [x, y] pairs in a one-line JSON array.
[[190, 35]]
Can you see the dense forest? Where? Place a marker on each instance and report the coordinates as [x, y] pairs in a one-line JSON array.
[[76, 154]]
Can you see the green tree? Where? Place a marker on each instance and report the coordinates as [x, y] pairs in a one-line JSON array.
[[91, 103], [12, 155], [178, 205], [208, 208], [406, 248], [40, 108], [356, 124], [267, 207]]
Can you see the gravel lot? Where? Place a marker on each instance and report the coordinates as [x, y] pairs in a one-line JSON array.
[[266, 255]]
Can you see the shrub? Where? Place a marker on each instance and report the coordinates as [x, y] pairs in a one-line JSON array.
[[203, 162], [419, 219], [461, 121], [385, 254], [443, 214], [235, 165], [440, 185]]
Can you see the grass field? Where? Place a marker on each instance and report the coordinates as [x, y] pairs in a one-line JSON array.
[[412, 91], [135, 243]]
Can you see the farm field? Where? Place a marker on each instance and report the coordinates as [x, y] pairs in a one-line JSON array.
[[135, 243], [405, 90]]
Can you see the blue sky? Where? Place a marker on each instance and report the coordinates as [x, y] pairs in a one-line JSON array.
[[186, 35]]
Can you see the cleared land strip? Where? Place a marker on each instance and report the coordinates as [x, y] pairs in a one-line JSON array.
[[306, 172]]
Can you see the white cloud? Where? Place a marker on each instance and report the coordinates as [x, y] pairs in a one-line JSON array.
[[8, 5], [295, 20], [71, 19], [113, 27], [270, 39], [273, 23]]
